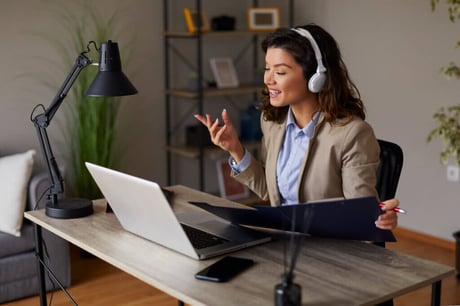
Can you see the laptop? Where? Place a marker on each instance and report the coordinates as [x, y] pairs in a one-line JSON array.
[[143, 209]]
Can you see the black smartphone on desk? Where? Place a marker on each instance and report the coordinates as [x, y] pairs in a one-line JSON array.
[[224, 269]]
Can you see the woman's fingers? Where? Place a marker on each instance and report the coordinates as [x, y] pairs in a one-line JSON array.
[[226, 118], [221, 135], [387, 220], [200, 118], [205, 120], [214, 129]]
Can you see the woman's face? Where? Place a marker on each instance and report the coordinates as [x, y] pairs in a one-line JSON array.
[[284, 79]]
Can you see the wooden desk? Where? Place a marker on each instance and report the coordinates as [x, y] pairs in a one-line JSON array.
[[331, 272]]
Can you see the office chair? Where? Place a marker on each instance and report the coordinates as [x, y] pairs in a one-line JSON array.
[[389, 171]]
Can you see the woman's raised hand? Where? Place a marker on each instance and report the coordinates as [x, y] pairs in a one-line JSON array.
[[224, 136]]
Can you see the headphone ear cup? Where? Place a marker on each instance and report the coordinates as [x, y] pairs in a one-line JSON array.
[[316, 82]]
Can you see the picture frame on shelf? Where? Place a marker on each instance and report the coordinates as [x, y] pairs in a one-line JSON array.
[[196, 21], [263, 18], [229, 188], [224, 72]]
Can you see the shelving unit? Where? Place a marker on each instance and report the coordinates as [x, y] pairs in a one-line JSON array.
[[199, 95]]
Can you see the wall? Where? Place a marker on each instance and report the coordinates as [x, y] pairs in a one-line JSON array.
[[25, 64], [393, 50]]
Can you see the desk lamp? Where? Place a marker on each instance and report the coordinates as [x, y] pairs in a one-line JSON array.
[[110, 81]]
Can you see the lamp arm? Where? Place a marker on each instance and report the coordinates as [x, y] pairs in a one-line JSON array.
[[80, 63], [41, 122], [56, 180]]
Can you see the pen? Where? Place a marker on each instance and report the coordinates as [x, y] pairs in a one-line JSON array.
[[396, 209]]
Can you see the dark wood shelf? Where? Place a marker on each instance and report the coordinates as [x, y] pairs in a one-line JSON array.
[[185, 34], [212, 152], [213, 91]]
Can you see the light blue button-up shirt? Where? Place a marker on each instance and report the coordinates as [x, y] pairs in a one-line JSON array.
[[290, 158]]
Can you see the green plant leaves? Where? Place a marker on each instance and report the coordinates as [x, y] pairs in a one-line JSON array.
[[453, 8], [448, 130], [448, 119]]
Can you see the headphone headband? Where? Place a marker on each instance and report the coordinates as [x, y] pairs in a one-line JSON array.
[[316, 82], [314, 45]]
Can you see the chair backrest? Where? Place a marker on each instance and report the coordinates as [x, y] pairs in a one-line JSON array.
[[391, 162]]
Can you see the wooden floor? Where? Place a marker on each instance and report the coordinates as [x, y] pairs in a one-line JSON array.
[[98, 283]]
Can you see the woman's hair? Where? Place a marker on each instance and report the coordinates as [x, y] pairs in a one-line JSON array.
[[339, 98]]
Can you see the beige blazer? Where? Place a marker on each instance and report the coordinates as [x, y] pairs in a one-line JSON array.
[[342, 161]]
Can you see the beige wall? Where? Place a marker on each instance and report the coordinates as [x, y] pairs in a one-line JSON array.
[[393, 50]]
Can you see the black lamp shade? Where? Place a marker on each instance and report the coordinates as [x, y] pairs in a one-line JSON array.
[[110, 80]]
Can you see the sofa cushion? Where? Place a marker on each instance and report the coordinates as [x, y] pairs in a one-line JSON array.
[[15, 172], [12, 245], [18, 277]]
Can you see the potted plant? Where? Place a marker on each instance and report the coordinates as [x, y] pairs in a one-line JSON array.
[[448, 118], [448, 130]]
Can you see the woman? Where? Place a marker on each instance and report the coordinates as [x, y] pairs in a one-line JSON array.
[[316, 144]]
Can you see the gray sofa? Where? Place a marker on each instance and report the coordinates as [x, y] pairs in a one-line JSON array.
[[18, 267]]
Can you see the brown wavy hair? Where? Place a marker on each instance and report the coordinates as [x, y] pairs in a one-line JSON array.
[[339, 98]]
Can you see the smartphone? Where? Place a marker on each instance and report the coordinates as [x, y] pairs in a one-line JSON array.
[[224, 269]]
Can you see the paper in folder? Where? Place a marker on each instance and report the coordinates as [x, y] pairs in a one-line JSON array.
[[352, 219]]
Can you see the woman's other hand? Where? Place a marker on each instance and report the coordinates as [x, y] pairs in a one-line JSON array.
[[389, 219]]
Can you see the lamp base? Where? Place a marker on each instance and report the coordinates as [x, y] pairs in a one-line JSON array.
[[69, 208]]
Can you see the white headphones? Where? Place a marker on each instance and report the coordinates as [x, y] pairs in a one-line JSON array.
[[316, 82]]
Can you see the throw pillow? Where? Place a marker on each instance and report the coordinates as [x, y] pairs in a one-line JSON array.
[[15, 172]]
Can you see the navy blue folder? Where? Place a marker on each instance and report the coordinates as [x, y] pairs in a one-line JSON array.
[[352, 219]]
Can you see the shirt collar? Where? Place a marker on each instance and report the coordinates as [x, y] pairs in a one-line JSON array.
[[307, 130], [290, 118]]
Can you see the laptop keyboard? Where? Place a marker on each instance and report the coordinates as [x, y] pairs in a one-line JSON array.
[[200, 239]]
